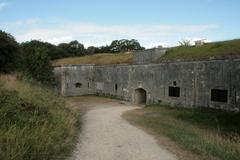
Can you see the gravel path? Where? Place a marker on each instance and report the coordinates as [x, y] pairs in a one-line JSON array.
[[107, 136]]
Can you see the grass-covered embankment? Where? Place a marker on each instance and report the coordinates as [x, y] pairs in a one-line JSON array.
[[35, 124], [210, 134], [215, 50], [98, 59]]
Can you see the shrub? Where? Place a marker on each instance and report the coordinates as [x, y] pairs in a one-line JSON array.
[[36, 62]]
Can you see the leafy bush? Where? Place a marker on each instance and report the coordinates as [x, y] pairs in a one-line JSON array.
[[36, 62]]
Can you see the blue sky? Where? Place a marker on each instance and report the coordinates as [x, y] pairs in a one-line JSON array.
[[98, 22]]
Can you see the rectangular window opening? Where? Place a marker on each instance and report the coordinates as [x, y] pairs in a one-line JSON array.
[[219, 95], [116, 87], [78, 85], [174, 91]]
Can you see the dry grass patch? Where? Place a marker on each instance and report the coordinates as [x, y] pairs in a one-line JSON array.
[[35, 122], [210, 134], [98, 59]]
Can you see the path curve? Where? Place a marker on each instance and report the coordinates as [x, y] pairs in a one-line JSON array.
[[107, 136]]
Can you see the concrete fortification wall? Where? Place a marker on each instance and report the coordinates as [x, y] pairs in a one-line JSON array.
[[148, 56], [212, 83]]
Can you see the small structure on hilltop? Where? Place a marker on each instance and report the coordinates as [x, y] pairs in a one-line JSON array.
[[199, 42]]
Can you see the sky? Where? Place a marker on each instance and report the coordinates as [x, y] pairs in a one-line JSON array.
[[98, 22]]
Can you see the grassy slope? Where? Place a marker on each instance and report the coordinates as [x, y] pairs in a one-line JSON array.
[[98, 59], [210, 134], [35, 123], [216, 50], [211, 50]]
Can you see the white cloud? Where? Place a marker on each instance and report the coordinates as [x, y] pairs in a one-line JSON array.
[[3, 5], [32, 21], [96, 34], [60, 40], [23, 23], [157, 44]]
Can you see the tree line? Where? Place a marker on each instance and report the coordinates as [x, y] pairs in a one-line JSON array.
[[33, 58], [76, 49]]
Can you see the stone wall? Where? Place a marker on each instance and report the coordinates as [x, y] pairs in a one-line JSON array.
[[75, 80], [213, 84], [148, 56]]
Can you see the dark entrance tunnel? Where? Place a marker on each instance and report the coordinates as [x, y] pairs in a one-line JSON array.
[[140, 96]]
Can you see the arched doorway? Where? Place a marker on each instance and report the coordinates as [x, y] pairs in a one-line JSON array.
[[140, 96]]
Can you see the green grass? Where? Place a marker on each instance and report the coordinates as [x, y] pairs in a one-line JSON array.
[[35, 124], [216, 50], [98, 59], [210, 134]]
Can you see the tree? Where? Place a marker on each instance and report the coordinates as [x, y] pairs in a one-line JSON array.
[[104, 49], [76, 48], [73, 48], [52, 51], [36, 62], [91, 50], [56, 52], [125, 45], [9, 53], [185, 43]]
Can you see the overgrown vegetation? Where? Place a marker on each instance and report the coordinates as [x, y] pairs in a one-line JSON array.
[[98, 59], [31, 59], [209, 133], [35, 123], [217, 50]]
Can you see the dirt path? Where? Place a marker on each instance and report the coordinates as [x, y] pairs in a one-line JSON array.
[[106, 136]]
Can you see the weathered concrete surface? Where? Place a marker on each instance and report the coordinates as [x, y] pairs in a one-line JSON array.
[[68, 76], [148, 56], [106, 136]]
